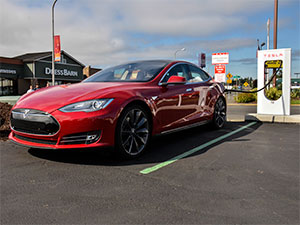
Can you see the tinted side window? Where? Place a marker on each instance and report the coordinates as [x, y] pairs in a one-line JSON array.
[[197, 75], [176, 71]]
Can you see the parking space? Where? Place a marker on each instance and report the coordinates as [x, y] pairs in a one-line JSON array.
[[248, 177]]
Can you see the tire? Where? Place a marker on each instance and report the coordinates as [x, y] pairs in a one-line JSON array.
[[133, 132], [219, 117]]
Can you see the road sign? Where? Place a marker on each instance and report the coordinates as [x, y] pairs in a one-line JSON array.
[[229, 75], [229, 81], [220, 58], [236, 77], [246, 84], [220, 71]]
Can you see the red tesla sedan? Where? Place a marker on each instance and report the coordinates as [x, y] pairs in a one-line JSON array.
[[122, 106]]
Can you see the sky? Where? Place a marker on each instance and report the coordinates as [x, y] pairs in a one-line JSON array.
[[103, 33]]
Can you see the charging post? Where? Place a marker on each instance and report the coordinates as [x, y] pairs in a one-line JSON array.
[[279, 59]]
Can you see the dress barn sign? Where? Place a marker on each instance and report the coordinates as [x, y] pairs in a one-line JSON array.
[[219, 60]]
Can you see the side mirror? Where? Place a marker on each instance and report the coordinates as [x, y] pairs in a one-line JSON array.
[[175, 80]]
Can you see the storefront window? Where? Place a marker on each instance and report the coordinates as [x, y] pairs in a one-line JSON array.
[[6, 86]]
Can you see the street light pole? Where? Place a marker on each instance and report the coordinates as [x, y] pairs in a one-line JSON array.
[[53, 66], [275, 33], [183, 49]]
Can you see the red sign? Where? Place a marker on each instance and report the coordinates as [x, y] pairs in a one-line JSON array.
[[220, 68], [57, 55], [220, 71]]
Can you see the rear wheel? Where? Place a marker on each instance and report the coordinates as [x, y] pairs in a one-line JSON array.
[[219, 118], [133, 132]]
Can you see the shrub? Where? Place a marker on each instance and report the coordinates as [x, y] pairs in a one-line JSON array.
[[273, 93], [295, 93], [246, 97]]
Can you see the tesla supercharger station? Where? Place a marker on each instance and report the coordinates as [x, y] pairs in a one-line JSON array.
[[270, 60]]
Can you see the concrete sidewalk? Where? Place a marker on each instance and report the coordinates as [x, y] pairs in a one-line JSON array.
[[9, 99], [272, 118], [247, 112]]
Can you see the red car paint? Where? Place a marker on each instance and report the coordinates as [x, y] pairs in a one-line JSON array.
[[171, 107]]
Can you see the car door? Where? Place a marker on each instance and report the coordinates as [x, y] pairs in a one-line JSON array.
[[176, 103], [200, 81]]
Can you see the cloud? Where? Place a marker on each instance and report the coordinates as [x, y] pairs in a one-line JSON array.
[[245, 61], [110, 31]]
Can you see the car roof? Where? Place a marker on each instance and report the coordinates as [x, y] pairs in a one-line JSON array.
[[150, 60]]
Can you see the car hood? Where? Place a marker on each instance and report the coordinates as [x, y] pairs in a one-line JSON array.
[[53, 98]]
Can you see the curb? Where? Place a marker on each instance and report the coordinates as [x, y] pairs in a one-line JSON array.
[[273, 118], [295, 119], [251, 104]]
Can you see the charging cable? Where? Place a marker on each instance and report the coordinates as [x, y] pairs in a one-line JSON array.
[[267, 84]]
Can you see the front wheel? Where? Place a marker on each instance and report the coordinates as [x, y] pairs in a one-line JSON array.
[[219, 118], [133, 132]]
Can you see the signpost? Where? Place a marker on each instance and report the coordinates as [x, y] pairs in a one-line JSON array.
[[229, 75], [236, 77], [220, 58], [220, 71], [229, 80]]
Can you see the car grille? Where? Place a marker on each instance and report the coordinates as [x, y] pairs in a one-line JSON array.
[[39, 141], [34, 122]]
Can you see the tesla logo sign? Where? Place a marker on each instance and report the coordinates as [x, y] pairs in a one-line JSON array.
[[26, 111], [273, 55]]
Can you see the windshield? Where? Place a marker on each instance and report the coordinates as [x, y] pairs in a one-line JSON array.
[[131, 72]]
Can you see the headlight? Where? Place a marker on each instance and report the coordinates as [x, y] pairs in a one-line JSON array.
[[87, 106]]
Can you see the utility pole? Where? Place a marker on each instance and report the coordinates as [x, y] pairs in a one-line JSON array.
[[275, 23], [275, 33], [268, 34], [53, 65]]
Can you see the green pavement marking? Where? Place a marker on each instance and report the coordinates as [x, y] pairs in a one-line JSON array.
[[192, 151]]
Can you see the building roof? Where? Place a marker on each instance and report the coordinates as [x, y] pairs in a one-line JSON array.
[[33, 56], [10, 60], [30, 57]]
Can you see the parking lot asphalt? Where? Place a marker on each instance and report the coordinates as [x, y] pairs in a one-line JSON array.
[[250, 177]]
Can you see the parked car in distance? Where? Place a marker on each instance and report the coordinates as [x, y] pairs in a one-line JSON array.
[[122, 106]]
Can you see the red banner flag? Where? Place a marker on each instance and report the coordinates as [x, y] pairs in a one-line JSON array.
[[57, 55]]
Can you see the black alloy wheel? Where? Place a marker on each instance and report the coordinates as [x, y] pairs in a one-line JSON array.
[[133, 132], [219, 118]]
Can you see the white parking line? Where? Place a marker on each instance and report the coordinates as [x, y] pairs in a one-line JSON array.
[[192, 151]]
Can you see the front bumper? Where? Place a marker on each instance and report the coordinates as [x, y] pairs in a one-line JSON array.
[[77, 130]]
